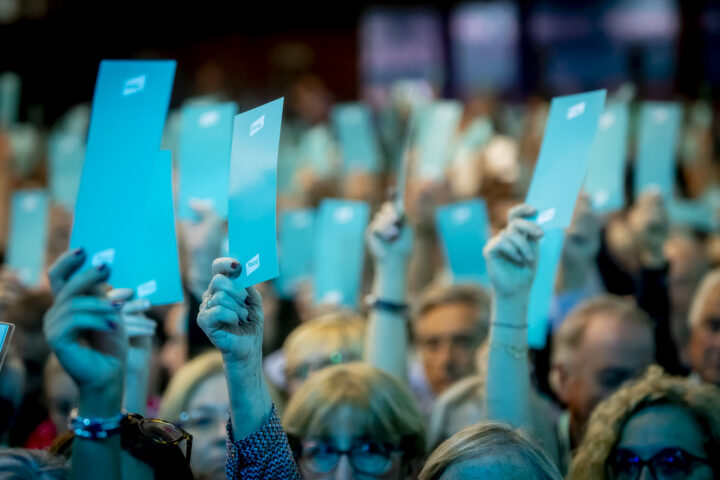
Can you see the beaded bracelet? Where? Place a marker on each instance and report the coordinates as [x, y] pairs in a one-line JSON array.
[[94, 428]]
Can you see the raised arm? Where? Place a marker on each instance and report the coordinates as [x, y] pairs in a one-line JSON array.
[[390, 241], [232, 317], [85, 332], [511, 257]]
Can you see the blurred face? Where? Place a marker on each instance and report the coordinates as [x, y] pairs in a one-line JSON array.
[[705, 341], [491, 467], [174, 351], [669, 438], [347, 452], [208, 414], [447, 338], [611, 352], [62, 395]]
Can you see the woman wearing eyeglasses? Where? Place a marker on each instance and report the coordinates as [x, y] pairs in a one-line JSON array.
[[660, 427]]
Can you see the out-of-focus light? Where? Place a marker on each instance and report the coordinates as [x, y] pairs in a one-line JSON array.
[[9, 11]]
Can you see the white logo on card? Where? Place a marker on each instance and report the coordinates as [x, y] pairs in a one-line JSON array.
[[301, 220], [103, 257], [606, 120], [333, 297], [660, 114], [343, 215], [134, 85], [545, 216], [29, 203], [461, 215], [208, 119], [147, 288], [576, 110], [252, 265], [601, 198], [257, 125], [204, 203]]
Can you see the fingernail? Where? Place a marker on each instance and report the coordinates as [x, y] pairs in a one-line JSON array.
[[112, 325], [101, 268], [146, 304], [117, 305], [234, 265], [77, 251]]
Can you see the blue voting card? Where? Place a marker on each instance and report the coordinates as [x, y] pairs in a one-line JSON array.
[[132, 233], [698, 213], [129, 108], [206, 135], [253, 192], [605, 178], [339, 251], [657, 145], [297, 237], [564, 157], [66, 154], [28, 235], [316, 151], [359, 146], [436, 125], [541, 294], [464, 230], [6, 333]]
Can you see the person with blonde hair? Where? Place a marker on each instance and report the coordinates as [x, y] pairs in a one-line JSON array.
[[197, 400], [489, 450], [355, 418], [704, 350], [659, 427]]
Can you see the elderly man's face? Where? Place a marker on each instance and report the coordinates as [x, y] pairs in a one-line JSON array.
[[705, 340]]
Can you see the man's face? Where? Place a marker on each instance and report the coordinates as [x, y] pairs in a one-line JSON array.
[[447, 338], [705, 341], [611, 352]]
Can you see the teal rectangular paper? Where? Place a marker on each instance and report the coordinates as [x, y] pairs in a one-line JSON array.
[[436, 125], [464, 230], [28, 235], [253, 192], [657, 145], [564, 156], [66, 154], [543, 287], [297, 237], [206, 135], [339, 251], [605, 179], [132, 233], [129, 108], [354, 128]]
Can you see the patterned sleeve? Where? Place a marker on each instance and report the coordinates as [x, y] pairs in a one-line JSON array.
[[265, 454]]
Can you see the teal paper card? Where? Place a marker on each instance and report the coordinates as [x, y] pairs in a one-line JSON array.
[[464, 230], [253, 192], [206, 134], [436, 125], [658, 134], [339, 251], [543, 287], [28, 235], [605, 179], [564, 156], [297, 240], [354, 128]]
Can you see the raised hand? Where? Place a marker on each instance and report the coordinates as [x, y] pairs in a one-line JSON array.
[[512, 255], [232, 316], [84, 330], [389, 236], [648, 221]]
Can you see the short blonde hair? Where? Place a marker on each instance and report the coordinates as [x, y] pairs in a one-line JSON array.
[[186, 382], [384, 407], [709, 288], [570, 334], [654, 388], [342, 332], [489, 439]]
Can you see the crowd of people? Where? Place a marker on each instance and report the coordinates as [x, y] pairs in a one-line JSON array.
[[428, 379]]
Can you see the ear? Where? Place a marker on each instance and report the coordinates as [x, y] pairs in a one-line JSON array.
[[558, 378]]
